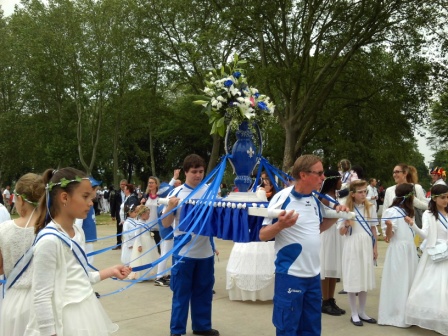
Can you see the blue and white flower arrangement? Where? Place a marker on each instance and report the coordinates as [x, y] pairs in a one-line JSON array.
[[229, 99]]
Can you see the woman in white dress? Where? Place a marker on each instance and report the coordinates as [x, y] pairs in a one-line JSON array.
[[250, 270], [427, 304], [16, 237], [402, 174], [144, 250], [401, 259], [359, 252], [330, 248]]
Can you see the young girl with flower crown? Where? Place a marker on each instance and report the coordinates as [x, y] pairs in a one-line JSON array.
[[359, 252], [16, 237], [63, 301], [401, 259], [427, 304], [144, 250]]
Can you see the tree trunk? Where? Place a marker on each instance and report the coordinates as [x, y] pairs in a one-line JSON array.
[[214, 156]]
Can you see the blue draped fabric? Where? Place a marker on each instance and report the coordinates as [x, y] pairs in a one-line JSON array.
[[223, 222]]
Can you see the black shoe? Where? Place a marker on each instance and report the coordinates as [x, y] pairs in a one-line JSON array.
[[167, 279], [97, 295], [327, 308], [117, 248], [358, 323], [213, 291], [332, 303], [211, 332], [370, 320], [342, 292], [161, 282]]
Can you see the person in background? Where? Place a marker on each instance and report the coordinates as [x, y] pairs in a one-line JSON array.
[[88, 224], [16, 237], [438, 176], [372, 197], [224, 191], [115, 206], [6, 196], [330, 248]]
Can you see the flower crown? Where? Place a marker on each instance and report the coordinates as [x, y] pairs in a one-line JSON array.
[[23, 196], [64, 182], [228, 98]]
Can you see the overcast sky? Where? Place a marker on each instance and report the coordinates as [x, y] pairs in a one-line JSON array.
[[8, 8]]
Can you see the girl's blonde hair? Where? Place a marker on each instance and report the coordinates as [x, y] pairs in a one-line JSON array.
[[141, 209], [350, 203]]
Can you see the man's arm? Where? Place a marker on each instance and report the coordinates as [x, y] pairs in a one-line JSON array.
[[168, 220], [285, 220]]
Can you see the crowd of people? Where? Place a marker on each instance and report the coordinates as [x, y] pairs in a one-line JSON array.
[[49, 291]]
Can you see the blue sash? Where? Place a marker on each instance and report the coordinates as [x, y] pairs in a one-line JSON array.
[[364, 223], [444, 221]]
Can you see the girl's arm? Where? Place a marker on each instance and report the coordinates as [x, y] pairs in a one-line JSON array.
[[44, 282], [118, 271], [423, 232]]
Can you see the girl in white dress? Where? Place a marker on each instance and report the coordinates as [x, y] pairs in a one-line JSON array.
[[359, 252], [144, 250], [427, 304], [16, 237], [401, 259], [330, 248], [128, 236], [63, 301]]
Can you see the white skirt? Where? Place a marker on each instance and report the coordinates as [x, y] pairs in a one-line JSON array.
[[85, 318], [250, 271], [148, 255], [15, 312], [358, 273], [427, 304], [331, 253]]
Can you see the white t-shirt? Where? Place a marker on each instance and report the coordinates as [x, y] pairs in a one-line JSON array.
[[199, 247], [298, 247], [6, 194]]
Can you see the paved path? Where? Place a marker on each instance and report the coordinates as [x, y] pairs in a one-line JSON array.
[[144, 309]]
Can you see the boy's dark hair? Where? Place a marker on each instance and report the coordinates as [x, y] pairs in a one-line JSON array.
[[331, 181], [193, 161]]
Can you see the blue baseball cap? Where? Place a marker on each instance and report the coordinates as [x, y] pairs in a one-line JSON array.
[[95, 183]]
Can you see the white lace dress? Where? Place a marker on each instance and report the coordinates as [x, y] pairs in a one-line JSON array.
[[15, 312], [250, 271]]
